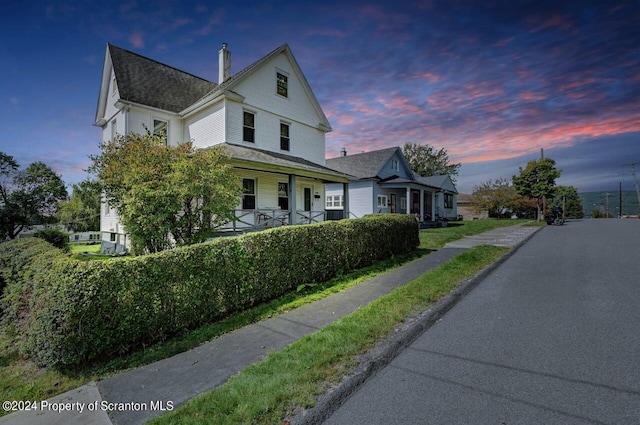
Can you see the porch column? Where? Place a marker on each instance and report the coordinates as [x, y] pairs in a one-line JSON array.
[[345, 200], [409, 200], [293, 215], [433, 205], [421, 205]]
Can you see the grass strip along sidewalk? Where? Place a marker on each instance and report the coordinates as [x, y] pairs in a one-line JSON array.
[[291, 379]]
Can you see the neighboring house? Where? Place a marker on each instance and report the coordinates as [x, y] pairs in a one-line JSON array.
[[384, 183], [468, 209], [266, 115]]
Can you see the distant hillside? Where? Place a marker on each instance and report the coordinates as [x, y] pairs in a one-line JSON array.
[[598, 200]]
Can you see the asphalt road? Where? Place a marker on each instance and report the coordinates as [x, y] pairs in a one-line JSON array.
[[551, 337]]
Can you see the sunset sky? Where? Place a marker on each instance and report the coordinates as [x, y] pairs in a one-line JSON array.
[[492, 82]]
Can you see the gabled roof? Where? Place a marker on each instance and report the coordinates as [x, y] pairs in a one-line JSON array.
[[364, 165], [148, 82], [227, 86], [260, 159], [443, 182]]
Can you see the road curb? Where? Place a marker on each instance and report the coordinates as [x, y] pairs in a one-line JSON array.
[[385, 351]]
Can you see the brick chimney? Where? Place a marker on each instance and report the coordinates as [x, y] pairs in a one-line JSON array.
[[224, 64]]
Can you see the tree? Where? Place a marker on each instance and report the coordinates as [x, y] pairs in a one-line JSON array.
[[537, 180], [28, 197], [567, 197], [81, 213], [499, 198], [165, 195], [427, 161]]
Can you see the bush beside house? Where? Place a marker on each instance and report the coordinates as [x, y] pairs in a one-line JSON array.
[[65, 312]]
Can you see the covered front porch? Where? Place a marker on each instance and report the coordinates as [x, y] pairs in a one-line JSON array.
[[278, 190], [415, 199]]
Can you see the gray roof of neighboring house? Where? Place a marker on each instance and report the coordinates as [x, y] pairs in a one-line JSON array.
[[278, 159], [148, 82], [362, 165], [434, 181]]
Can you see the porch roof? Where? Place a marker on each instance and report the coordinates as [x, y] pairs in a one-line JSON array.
[[262, 160], [400, 181]]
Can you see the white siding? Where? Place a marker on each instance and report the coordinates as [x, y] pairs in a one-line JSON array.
[[206, 128], [361, 198], [112, 98], [259, 91]]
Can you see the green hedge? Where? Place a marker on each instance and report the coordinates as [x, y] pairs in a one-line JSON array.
[[66, 312]]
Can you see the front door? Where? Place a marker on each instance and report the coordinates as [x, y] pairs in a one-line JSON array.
[[307, 199], [393, 203]]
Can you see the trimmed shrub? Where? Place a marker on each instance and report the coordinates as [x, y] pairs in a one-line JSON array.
[[55, 237], [67, 312]]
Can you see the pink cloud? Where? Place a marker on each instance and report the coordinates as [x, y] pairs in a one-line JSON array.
[[529, 95], [136, 39], [540, 23]]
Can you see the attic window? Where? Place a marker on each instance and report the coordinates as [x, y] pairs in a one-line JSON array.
[[113, 86], [395, 165], [282, 84]]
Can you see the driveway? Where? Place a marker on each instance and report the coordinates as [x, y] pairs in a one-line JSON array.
[[551, 337]]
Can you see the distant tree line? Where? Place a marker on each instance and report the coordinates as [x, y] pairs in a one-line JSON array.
[[528, 193]]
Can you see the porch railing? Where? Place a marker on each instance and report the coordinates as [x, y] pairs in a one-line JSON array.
[[309, 217]]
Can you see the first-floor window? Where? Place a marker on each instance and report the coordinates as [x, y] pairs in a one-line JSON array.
[[382, 201], [334, 202], [448, 200], [248, 194], [283, 196], [113, 237]]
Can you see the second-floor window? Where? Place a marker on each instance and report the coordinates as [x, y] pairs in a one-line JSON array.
[[249, 127], [395, 165], [284, 136], [160, 128]]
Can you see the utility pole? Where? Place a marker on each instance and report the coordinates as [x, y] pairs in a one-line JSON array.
[[544, 198], [620, 201], [635, 178]]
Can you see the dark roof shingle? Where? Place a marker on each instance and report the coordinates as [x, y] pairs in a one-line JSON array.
[[148, 82], [362, 165]]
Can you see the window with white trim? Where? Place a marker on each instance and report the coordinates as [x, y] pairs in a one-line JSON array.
[[285, 140], [248, 127], [283, 196], [160, 130], [334, 202], [282, 84], [248, 194], [382, 201], [114, 129], [448, 200], [395, 165]]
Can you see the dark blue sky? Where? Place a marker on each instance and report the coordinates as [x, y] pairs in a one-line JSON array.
[[492, 82]]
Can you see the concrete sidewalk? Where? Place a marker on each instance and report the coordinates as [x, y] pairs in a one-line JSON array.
[[136, 396]]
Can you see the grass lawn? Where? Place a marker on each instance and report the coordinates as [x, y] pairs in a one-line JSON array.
[[22, 380], [291, 379], [83, 252]]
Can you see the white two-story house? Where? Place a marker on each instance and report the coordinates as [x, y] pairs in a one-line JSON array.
[[266, 116]]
